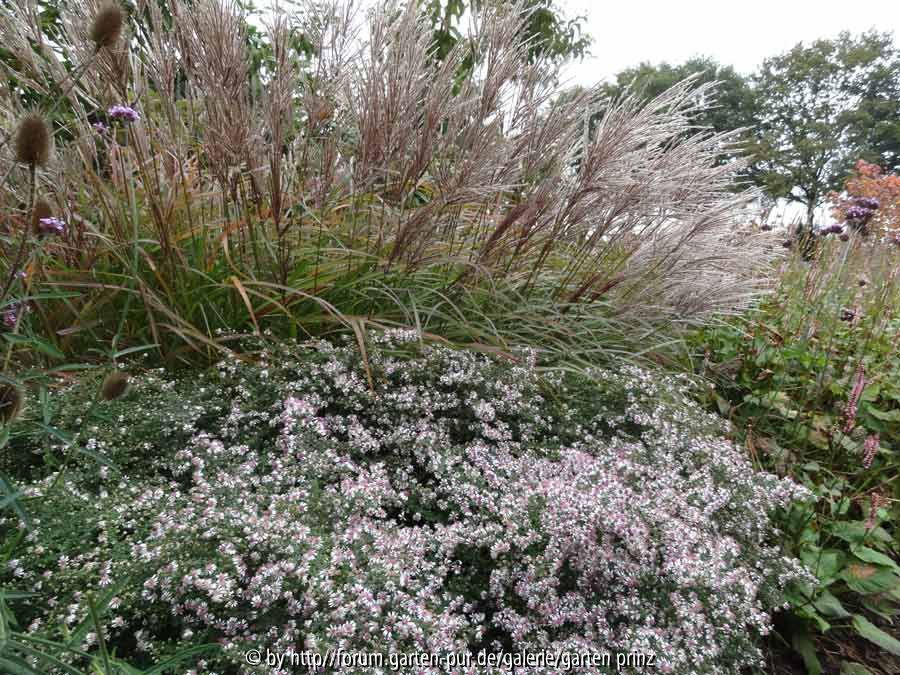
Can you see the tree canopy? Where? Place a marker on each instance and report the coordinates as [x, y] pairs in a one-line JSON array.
[[821, 107]]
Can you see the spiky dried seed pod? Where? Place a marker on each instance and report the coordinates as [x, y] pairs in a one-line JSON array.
[[11, 402], [107, 25], [33, 140], [114, 386], [42, 209]]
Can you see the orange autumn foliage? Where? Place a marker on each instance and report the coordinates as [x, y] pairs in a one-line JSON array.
[[868, 180]]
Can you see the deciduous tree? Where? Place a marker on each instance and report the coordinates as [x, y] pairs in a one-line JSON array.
[[821, 106]]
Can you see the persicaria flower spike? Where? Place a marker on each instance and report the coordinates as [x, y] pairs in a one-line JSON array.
[[870, 449], [877, 502]]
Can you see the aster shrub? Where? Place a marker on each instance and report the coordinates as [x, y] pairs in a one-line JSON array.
[[422, 499]]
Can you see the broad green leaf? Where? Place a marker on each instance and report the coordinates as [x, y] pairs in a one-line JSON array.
[[829, 605], [889, 416], [868, 555], [874, 634], [804, 646], [871, 392], [824, 564], [855, 532], [848, 668], [869, 578]]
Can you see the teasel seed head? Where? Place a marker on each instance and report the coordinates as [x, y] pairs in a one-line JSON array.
[[114, 386], [107, 25], [11, 403], [42, 209], [33, 140]]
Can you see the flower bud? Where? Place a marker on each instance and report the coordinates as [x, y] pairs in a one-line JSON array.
[[107, 26], [114, 386], [33, 140]]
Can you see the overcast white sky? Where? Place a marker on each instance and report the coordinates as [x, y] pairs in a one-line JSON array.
[[740, 34]]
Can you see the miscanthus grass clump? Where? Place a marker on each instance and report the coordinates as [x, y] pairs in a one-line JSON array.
[[425, 500]]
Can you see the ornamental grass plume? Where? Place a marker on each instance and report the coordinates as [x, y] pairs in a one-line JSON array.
[[107, 26], [32, 141], [114, 386], [11, 403]]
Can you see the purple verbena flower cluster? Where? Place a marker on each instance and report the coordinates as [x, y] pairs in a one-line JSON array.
[[9, 317], [124, 113], [51, 225], [861, 210]]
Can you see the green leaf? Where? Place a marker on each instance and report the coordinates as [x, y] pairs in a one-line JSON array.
[[13, 665], [131, 350], [855, 532], [183, 655], [824, 564], [889, 416], [874, 634], [35, 342], [47, 658], [829, 605], [870, 393], [804, 646], [11, 499], [848, 668], [869, 579], [869, 555]]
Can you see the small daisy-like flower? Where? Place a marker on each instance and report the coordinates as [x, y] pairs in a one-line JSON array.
[[124, 113], [100, 127]]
